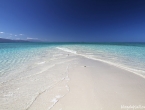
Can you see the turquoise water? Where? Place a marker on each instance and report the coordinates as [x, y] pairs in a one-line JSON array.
[[14, 55], [19, 55], [27, 70], [17, 59]]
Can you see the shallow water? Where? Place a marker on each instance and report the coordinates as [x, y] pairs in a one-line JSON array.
[[27, 70], [130, 56]]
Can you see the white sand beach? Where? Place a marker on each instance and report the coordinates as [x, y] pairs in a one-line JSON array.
[[93, 85]]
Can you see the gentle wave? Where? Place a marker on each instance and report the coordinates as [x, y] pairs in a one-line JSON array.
[[67, 50], [41, 63]]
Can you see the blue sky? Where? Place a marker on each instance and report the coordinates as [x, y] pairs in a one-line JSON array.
[[73, 20]]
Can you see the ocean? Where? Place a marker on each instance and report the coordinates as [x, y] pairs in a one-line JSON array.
[[26, 69]]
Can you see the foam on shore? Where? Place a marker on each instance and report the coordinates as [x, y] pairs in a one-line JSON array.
[[67, 50]]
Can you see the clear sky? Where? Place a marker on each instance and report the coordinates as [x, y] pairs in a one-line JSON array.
[[73, 20]]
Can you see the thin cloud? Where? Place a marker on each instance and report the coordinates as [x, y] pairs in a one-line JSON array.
[[17, 38], [1, 32], [9, 36], [31, 38], [21, 34], [15, 35]]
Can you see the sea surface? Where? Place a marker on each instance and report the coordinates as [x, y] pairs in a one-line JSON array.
[[23, 66]]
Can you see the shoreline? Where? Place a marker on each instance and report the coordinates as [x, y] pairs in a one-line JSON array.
[[104, 61]]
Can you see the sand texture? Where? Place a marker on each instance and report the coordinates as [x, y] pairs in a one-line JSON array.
[[93, 85]]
